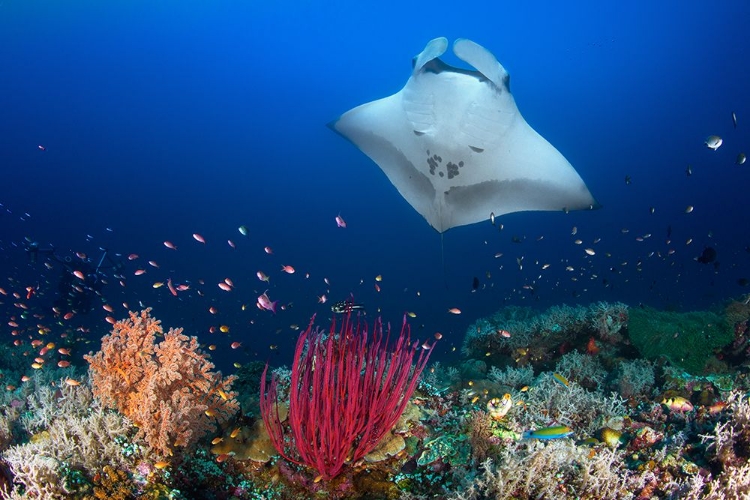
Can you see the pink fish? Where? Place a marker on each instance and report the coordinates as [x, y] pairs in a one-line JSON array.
[[171, 287], [231, 244], [199, 238], [170, 245], [265, 303], [340, 222], [225, 287], [262, 276]]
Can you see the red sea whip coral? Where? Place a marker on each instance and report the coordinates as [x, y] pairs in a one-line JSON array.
[[347, 391]]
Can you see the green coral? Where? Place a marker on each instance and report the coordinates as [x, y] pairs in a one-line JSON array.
[[454, 450], [688, 339]]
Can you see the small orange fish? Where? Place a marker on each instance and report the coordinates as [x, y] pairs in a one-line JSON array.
[[72, 382], [170, 245], [110, 320], [161, 464], [153, 263], [68, 315], [132, 256], [504, 333], [63, 364], [235, 432], [139, 272], [199, 238], [107, 308], [454, 310], [225, 287], [79, 275], [235, 345], [591, 347], [287, 269]]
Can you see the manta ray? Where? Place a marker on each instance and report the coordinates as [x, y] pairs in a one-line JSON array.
[[454, 144]]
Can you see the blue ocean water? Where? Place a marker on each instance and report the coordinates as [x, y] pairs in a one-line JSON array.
[[164, 119]]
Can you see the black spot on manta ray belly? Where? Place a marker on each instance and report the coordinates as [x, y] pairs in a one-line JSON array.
[[434, 161]]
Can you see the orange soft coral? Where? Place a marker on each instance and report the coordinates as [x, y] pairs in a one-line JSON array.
[[167, 389]]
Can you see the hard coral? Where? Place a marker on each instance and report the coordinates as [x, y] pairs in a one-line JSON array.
[[688, 340], [167, 389]]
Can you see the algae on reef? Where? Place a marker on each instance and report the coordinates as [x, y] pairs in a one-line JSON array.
[[688, 339]]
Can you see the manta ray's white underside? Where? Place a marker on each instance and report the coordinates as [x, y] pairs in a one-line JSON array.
[[456, 147]]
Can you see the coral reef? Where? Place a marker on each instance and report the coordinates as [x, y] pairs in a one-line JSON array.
[[688, 340], [73, 437], [525, 336], [635, 378], [583, 416], [167, 389]]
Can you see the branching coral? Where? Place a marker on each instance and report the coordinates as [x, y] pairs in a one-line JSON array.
[[558, 469], [81, 438], [167, 389], [608, 319], [635, 378]]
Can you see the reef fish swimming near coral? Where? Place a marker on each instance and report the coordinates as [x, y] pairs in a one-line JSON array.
[[454, 144], [555, 432]]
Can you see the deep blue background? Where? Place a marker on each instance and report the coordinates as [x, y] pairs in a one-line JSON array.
[[161, 119]]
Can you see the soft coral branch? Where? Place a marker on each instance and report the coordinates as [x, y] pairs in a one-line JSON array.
[[167, 389]]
